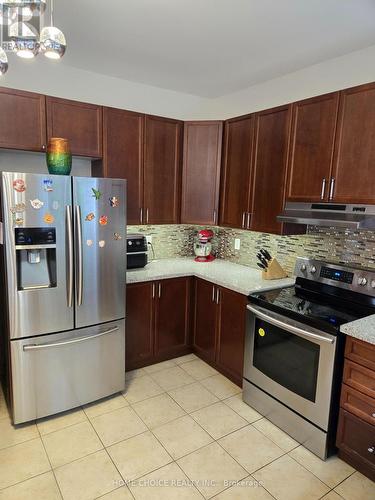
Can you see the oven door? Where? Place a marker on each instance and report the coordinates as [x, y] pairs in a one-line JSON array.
[[290, 361]]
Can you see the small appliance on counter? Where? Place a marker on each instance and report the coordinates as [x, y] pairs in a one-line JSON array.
[[203, 246], [136, 251], [272, 270]]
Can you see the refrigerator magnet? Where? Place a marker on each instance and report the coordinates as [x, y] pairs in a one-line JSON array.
[[89, 217], [96, 194], [37, 204], [103, 221], [49, 219], [20, 207], [117, 236], [19, 185], [48, 185], [102, 243], [55, 205], [114, 201], [89, 243]]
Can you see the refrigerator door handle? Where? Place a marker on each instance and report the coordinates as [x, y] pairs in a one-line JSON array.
[[34, 347], [79, 269], [69, 229]]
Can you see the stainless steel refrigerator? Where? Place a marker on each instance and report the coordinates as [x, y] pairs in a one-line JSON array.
[[63, 245]]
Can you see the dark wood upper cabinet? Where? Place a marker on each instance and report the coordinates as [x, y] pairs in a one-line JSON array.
[[354, 164], [162, 170], [311, 148], [79, 122], [272, 129], [205, 319], [123, 155], [236, 172], [201, 172], [22, 120]]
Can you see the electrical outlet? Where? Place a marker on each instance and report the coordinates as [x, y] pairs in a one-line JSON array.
[[149, 239], [237, 243]]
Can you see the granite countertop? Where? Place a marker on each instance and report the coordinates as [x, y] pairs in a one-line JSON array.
[[362, 329], [242, 279]]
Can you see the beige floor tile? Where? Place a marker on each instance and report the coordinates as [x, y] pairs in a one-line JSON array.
[[43, 487], [140, 388], [158, 410], [118, 425], [88, 478], [61, 420], [122, 493], [138, 456], [140, 372], [286, 479], [219, 420], [167, 483], [281, 438], [185, 359], [22, 461], [247, 489], [105, 405], [212, 468], [193, 397], [332, 496], [71, 443], [171, 378], [243, 409], [11, 435], [221, 386], [198, 369], [251, 448], [332, 471], [182, 436], [159, 366], [356, 487]]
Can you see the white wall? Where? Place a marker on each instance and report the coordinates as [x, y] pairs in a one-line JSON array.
[[19, 161]]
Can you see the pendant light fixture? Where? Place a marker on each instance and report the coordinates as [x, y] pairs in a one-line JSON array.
[[39, 5], [25, 39], [3, 62], [52, 40]]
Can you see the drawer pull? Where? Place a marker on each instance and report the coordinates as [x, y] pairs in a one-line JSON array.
[[371, 449]]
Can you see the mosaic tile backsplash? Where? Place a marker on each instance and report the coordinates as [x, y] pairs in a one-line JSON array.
[[330, 244]]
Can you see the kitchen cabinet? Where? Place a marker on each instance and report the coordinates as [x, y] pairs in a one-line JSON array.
[[201, 172], [162, 170], [356, 429], [22, 120], [79, 122], [272, 129], [123, 156], [311, 148], [219, 328], [155, 330], [237, 172], [353, 175]]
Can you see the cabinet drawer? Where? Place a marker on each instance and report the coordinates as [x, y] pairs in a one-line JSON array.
[[356, 439], [361, 352], [359, 404], [359, 378]]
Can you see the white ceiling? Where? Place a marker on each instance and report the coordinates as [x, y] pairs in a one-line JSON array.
[[210, 47]]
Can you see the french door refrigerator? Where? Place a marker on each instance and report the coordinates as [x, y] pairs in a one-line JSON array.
[[63, 246]]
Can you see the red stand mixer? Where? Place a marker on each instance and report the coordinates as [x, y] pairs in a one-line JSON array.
[[203, 246]]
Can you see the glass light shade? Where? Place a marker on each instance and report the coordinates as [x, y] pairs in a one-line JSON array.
[[52, 42], [3, 62], [7, 16], [26, 49], [39, 5]]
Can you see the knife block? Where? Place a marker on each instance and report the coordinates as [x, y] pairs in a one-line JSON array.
[[274, 271]]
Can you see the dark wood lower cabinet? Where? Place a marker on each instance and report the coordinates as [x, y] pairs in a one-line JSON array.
[[205, 320]]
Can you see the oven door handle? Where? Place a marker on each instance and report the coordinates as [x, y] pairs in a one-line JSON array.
[[288, 327]]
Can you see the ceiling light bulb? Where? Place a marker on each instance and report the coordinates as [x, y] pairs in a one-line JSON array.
[[3, 62], [52, 42]]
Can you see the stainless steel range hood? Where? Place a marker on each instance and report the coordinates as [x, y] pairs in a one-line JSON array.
[[329, 214]]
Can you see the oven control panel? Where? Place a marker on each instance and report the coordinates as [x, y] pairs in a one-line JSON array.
[[357, 279]]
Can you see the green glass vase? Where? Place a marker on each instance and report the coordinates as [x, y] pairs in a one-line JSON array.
[[58, 156]]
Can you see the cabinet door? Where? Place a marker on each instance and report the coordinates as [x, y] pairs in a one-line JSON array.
[[162, 170], [139, 347], [271, 147], [231, 334], [201, 172], [354, 165], [123, 155], [172, 316], [79, 122], [311, 150], [236, 175], [205, 319], [22, 120]]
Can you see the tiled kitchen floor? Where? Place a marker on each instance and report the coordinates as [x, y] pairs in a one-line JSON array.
[[181, 431]]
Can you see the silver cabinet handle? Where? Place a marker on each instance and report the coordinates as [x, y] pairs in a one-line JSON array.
[[213, 293], [243, 219], [153, 290], [215, 217], [373, 415], [141, 215], [79, 256], [371, 449], [323, 192], [146, 215], [217, 295], [35, 347], [159, 290], [248, 220], [332, 188], [69, 236], [289, 328]]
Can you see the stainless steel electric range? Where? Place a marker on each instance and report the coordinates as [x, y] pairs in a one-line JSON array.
[[294, 348]]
